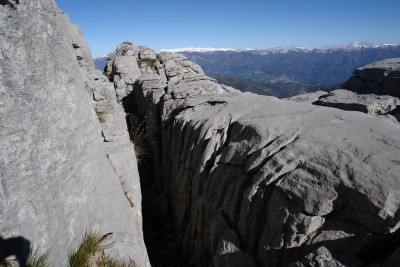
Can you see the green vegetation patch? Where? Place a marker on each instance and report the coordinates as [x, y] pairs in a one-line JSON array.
[[106, 261], [90, 245], [150, 62], [37, 260], [91, 254]]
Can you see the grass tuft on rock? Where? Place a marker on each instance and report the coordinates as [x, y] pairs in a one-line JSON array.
[[89, 246], [138, 137], [37, 260], [91, 254], [106, 261]]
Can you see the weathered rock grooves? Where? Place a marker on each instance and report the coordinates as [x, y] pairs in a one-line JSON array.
[[254, 180]]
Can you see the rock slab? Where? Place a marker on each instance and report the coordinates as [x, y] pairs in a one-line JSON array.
[[381, 77], [58, 178]]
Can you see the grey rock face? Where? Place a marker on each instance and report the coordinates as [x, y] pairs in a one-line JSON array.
[[307, 98], [58, 176], [118, 148], [125, 73], [319, 258], [367, 103], [382, 77], [257, 179], [145, 52]]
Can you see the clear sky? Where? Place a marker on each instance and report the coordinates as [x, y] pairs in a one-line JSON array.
[[233, 24]]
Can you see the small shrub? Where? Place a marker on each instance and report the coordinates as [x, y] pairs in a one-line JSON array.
[[36, 260], [90, 245], [100, 116], [150, 62], [138, 137], [109, 76], [90, 254], [106, 261]]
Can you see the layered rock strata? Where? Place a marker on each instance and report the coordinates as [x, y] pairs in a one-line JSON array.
[[64, 168], [254, 180], [378, 105], [381, 77]]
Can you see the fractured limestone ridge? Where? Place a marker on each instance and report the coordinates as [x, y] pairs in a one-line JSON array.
[[381, 77], [64, 169], [384, 106], [254, 180]]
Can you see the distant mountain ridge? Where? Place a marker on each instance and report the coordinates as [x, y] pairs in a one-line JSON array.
[[323, 49], [284, 72]]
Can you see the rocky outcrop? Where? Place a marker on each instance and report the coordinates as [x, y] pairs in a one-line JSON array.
[[318, 258], [307, 98], [254, 180], [377, 105], [64, 168], [381, 77]]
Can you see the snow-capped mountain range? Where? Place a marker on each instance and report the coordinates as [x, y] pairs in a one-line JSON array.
[[198, 49], [282, 50]]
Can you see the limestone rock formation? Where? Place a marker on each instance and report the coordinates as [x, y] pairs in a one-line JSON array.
[[381, 77], [59, 177], [318, 258], [367, 103], [257, 180], [307, 98], [247, 180]]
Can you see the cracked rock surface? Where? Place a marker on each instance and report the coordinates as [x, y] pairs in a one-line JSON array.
[[260, 181], [383, 106], [381, 77]]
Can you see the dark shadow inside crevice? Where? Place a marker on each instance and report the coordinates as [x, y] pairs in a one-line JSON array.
[[379, 248], [11, 3], [158, 225]]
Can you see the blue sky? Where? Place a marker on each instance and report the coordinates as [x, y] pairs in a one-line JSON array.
[[233, 24]]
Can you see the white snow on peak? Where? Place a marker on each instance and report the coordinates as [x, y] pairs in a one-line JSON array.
[[283, 50], [197, 49]]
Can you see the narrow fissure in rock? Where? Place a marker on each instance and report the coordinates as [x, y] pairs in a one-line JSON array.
[[158, 226]]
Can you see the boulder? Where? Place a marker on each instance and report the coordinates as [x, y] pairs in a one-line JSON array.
[[145, 52], [125, 72]]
